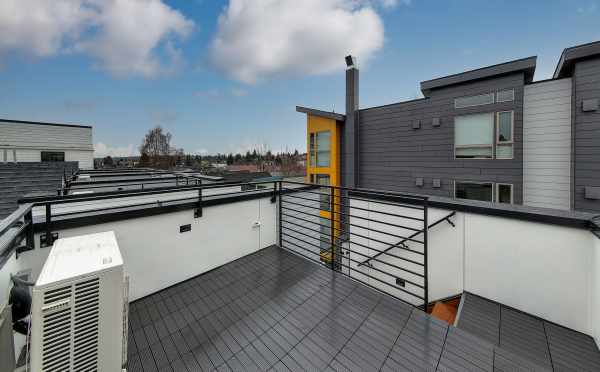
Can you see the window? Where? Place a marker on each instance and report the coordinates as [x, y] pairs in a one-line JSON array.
[[319, 148], [484, 191], [478, 100], [504, 193], [53, 156], [504, 135], [505, 95], [474, 191], [323, 148], [473, 136]]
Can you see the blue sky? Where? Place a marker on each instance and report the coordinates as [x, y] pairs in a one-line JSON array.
[[226, 86]]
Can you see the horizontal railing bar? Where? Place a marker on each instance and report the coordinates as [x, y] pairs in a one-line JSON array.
[[351, 207], [384, 282], [349, 267], [370, 191], [365, 246], [363, 255], [373, 268], [354, 216], [9, 221], [131, 193], [404, 205], [161, 202], [357, 226], [446, 218]]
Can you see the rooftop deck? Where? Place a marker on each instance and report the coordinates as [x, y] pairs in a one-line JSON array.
[[273, 310]]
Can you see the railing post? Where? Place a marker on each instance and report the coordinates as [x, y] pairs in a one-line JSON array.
[[425, 258], [29, 237], [280, 232], [332, 227], [198, 211], [274, 196], [48, 225]]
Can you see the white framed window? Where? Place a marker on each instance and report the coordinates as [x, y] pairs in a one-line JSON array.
[[505, 95], [505, 127], [474, 136], [477, 100], [504, 193], [484, 191]]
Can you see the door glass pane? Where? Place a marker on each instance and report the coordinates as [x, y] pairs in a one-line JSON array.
[[504, 126], [325, 235], [323, 148], [474, 191], [312, 150], [505, 194], [323, 179]]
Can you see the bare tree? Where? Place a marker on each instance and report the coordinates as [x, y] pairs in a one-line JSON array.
[[157, 151]]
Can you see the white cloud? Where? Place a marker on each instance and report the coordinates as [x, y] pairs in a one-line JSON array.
[[200, 152], [125, 37], [261, 38], [101, 150]]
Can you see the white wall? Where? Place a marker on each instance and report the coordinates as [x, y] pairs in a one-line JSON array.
[[547, 270], [547, 144], [157, 255], [29, 140]]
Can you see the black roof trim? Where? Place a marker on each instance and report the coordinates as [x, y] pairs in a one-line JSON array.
[[44, 123], [321, 113], [582, 220], [526, 65], [570, 55]]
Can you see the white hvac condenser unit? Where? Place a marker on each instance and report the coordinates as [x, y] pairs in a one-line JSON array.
[[79, 307]]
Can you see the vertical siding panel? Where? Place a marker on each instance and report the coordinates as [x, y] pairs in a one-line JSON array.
[[547, 144]]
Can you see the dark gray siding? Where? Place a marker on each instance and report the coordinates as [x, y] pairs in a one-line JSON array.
[[393, 154], [586, 85]]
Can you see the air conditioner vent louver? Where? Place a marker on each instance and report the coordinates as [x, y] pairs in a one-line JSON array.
[[57, 329], [78, 320], [85, 327]]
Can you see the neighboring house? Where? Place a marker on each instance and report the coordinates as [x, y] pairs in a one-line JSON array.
[[28, 141], [489, 134]]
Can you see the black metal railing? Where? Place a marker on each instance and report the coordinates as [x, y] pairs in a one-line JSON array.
[[402, 244], [17, 230], [341, 228]]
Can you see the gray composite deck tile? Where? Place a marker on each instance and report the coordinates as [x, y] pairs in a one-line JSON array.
[[273, 310]]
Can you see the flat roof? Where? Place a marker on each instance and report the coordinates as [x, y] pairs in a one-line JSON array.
[[526, 65], [321, 113], [568, 57], [45, 123]]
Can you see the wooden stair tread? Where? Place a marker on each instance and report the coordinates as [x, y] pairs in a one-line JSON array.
[[444, 312]]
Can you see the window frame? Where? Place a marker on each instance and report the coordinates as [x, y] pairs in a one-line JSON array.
[[506, 100], [491, 146], [53, 153], [495, 190], [497, 193], [497, 142], [316, 165], [475, 183], [492, 94]]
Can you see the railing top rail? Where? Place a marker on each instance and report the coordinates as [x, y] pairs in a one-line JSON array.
[[365, 191], [9, 222], [40, 200]]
